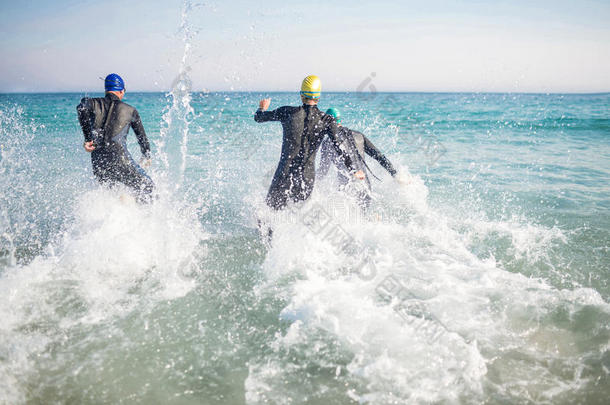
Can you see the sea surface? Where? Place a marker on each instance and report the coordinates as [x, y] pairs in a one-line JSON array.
[[483, 276]]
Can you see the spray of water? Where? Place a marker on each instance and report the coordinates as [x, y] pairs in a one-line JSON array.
[[16, 133], [113, 256], [173, 143]]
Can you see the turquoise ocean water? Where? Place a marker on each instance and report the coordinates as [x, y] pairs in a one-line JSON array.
[[487, 273]]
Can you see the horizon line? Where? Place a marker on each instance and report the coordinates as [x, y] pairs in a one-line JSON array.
[[328, 92]]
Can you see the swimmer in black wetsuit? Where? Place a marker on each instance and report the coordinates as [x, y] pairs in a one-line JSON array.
[[304, 129], [105, 123], [355, 145]]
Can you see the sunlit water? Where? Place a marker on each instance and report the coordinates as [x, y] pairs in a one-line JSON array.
[[485, 279]]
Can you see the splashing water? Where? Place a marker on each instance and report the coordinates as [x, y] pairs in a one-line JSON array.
[[16, 133], [108, 256], [172, 149], [474, 289], [104, 259], [431, 323]]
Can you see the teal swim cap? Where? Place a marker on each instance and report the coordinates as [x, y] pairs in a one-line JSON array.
[[335, 113]]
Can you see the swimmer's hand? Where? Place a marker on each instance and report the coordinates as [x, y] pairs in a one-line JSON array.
[[359, 175], [89, 146], [264, 104], [403, 180], [145, 162]]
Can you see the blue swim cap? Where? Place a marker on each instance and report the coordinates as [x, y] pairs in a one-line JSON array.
[[113, 82]]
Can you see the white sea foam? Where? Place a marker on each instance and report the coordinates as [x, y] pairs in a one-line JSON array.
[[114, 257], [422, 326]]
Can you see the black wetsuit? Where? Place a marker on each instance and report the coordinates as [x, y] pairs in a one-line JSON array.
[[106, 122], [304, 129], [355, 145]]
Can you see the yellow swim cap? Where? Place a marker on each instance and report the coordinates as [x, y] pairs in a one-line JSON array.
[[311, 87]]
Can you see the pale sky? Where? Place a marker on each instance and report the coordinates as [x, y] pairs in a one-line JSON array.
[[497, 46]]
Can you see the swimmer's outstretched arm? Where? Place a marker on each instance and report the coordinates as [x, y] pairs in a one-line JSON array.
[[262, 115], [373, 152]]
